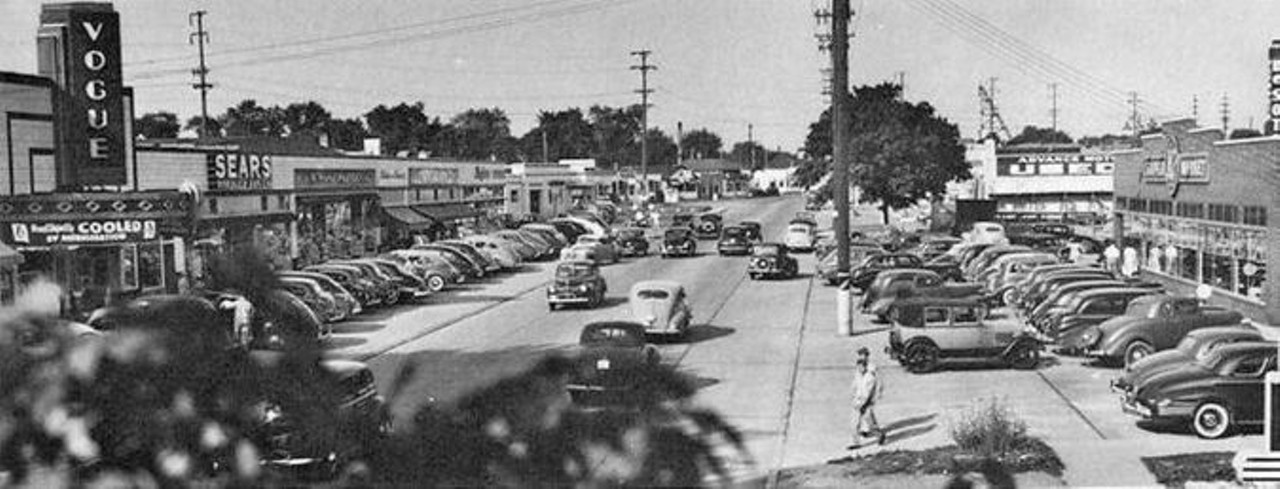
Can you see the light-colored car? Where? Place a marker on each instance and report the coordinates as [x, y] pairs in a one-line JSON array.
[[345, 298], [548, 231], [927, 330], [987, 232], [800, 237], [438, 276], [595, 247], [662, 306], [501, 251], [431, 260]]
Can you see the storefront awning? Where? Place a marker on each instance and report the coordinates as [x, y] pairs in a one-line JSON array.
[[406, 217], [9, 257], [447, 212]]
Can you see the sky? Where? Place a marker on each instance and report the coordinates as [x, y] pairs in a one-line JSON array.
[[721, 64]]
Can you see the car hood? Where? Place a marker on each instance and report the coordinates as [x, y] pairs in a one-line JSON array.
[[1115, 324], [1152, 365], [1186, 378]]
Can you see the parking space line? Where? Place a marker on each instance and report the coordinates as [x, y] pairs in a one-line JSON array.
[[1071, 404]]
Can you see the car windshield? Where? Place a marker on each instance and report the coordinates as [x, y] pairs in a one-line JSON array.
[[573, 270], [798, 228], [768, 250], [630, 234], [676, 233], [652, 294], [611, 336], [734, 232]]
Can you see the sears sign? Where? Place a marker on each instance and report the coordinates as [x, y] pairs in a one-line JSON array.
[[238, 171]]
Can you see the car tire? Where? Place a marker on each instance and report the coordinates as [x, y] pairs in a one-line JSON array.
[[436, 283], [1137, 350], [920, 358], [551, 307], [753, 276], [1024, 357], [392, 300], [1211, 420], [1007, 297]]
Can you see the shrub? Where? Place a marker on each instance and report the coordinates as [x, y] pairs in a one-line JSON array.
[[989, 429]]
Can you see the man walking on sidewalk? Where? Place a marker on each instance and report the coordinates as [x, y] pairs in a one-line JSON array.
[[866, 393]]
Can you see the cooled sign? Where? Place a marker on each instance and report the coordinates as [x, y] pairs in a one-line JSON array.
[[82, 232], [233, 171]]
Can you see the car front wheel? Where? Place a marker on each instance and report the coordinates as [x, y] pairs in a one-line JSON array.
[[1136, 351], [921, 358], [1024, 357], [436, 283], [1212, 420]]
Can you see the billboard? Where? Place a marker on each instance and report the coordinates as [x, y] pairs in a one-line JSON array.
[[79, 48], [237, 171], [1054, 164], [87, 231]]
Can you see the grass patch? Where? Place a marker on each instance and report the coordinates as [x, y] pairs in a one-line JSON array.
[[1177, 470]]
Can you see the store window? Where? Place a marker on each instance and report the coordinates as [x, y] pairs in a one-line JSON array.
[[1138, 205], [129, 267], [1252, 275], [1194, 210], [263, 203], [1223, 212], [1255, 216], [213, 205], [1161, 207], [282, 202], [1218, 271], [151, 265], [1188, 264]]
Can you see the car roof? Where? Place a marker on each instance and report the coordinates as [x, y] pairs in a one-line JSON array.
[[938, 301], [667, 285], [1115, 290], [576, 262], [1221, 332], [633, 329], [1245, 347]]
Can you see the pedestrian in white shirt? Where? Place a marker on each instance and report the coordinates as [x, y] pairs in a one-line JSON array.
[[1112, 256], [866, 393], [1129, 263]]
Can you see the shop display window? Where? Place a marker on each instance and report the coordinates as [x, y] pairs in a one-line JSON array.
[[1218, 271], [150, 265], [1252, 276], [1188, 264], [129, 267]]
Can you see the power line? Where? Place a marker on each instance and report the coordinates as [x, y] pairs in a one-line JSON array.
[[199, 37]]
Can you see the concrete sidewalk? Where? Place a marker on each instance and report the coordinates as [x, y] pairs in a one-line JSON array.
[[918, 410]]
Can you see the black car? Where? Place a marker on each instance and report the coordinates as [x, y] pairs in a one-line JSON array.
[[679, 241], [611, 364], [683, 220], [754, 230], [769, 260], [862, 275], [632, 242], [1213, 394], [708, 226], [734, 240]]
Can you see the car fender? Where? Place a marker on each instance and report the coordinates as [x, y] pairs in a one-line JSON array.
[[918, 340], [1019, 342], [1115, 342]]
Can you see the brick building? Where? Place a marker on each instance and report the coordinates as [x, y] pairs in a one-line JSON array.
[[1200, 209]]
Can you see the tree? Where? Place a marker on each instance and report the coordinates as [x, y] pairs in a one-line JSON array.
[[1040, 135], [212, 125], [614, 130], [346, 134], [1243, 133], [568, 135], [403, 127], [749, 153], [250, 119], [700, 143], [662, 151], [817, 144], [157, 125], [901, 152], [305, 117], [480, 134]]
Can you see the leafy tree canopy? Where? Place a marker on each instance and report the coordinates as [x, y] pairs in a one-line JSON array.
[[157, 125], [700, 143], [568, 135], [1040, 135]]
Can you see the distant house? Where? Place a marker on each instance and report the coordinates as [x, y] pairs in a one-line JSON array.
[[717, 177]]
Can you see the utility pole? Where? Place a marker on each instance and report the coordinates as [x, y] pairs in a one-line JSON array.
[[1226, 114], [751, 145], [840, 109], [1053, 108], [679, 143], [902, 84], [644, 68], [1135, 122], [199, 38], [1195, 108], [546, 153]]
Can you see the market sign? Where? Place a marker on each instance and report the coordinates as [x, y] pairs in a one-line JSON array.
[[79, 47], [428, 176], [1075, 164], [236, 171], [80, 232], [335, 179]]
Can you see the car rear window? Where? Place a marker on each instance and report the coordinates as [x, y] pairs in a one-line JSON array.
[[767, 250], [573, 270], [798, 228], [653, 294], [734, 232]]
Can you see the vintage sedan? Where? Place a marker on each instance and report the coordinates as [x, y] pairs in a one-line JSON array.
[[321, 302], [632, 242], [1214, 394], [662, 306], [770, 260], [576, 282], [1087, 308], [593, 247], [1195, 345], [437, 274], [734, 240], [346, 299], [611, 364], [927, 330], [862, 275], [828, 268], [708, 226], [679, 241], [755, 230], [801, 236], [926, 284], [500, 251], [1151, 324]]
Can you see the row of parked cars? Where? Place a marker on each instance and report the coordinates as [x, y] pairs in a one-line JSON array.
[[1184, 362]]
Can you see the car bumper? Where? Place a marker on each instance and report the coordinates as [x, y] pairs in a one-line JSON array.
[[734, 249], [567, 299], [766, 271], [1172, 410]]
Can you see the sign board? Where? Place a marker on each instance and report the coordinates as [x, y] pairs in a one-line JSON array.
[[1274, 96], [79, 48], [1054, 164], [237, 171], [429, 176], [335, 179], [80, 232]]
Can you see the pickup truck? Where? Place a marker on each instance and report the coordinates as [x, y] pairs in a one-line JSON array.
[[1152, 323]]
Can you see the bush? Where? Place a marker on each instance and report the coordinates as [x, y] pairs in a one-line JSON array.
[[989, 429]]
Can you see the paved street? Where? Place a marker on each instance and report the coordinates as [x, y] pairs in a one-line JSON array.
[[767, 356]]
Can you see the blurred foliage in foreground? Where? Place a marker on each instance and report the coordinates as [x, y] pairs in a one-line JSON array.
[[163, 400]]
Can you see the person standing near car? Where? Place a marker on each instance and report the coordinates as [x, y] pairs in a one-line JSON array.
[[866, 393], [1111, 255]]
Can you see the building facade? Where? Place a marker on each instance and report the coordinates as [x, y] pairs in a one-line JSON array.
[[1051, 182], [1201, 211]]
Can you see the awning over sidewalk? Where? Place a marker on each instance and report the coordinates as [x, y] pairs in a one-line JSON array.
[[407, 217], [447, 212], [9, 257]]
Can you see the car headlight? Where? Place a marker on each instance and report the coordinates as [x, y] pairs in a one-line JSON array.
[[1089, 337], [582, 288], [1163, 403]]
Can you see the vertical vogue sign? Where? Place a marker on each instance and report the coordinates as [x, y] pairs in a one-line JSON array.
[[1274, 97], [80, 47]]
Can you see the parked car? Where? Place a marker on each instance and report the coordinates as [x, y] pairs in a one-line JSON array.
[[1059, 297], [437, 274], [500, 251], [800, 236], [754, 230], [593, 247], [988, 232], [771, 260], [1151, 324], [1088, 308], [322, 303], [862, 275], [679, 241], [1000, 283], [948, 266], [632, 242], [928, 284], [570, 229], [1195, 345], [661, 306], [1213, 395], [928, 330], [1040, 281], [828, 268], [576, 282], [892, 278], [561, 240], [708, 226], [450, 256], [404, 286], [981, 260], [474, 267], [933, 246], [611, 363], [531, 250], [345, 299], [382, 291], [683, 220], [805, 217], [351, 279], [413, 285], [734, 240], [481, 260]]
